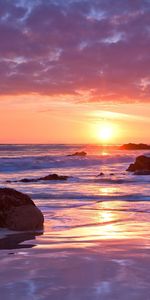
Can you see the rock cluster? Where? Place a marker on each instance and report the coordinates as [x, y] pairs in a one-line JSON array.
[[45, 178], [132, 146], [18, 211], [81, 153]]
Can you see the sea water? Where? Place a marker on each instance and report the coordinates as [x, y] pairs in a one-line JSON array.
[[95, 243]]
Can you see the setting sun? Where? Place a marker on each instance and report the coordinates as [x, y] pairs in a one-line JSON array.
[[106, 132]]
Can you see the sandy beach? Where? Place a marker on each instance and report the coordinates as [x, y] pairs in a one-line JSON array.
[[101, 252]]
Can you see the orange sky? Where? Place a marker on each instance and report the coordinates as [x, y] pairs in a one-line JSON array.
[[41, 119]]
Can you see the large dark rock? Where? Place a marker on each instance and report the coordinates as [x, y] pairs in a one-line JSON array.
[[132, 146], [18, 211], [45, 178], [141, 165], [81, 153]]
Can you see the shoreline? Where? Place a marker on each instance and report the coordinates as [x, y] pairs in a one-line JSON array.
[[85, 261]]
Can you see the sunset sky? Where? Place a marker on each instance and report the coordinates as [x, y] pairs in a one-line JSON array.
[[70, 67]]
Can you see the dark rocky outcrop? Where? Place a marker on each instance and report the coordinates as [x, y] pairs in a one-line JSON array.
[[132, 146], [18, 211], [81, 153], [54, 177], [141, 165], [45, 178], [100, 174]]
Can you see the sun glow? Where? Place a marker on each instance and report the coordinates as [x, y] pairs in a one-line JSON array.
[[106, 132]]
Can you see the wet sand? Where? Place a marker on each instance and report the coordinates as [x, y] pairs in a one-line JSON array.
[[88, 253]]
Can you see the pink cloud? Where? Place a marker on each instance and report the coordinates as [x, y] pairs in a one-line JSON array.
[[61, 47]]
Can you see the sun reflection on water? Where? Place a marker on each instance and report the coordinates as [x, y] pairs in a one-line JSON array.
[[105, 191]]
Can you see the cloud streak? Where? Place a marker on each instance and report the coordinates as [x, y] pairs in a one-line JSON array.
[[100, 48]]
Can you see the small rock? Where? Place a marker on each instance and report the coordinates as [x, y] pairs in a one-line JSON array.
[[101, 174], [81, 153], [54, 177]]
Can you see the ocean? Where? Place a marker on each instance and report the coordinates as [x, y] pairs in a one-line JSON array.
[[95, 243]]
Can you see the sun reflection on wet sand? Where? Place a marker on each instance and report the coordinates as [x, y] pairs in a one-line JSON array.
[[89, 226]]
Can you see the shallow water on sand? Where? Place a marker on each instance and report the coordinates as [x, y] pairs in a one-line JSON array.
[[98, 251], [96, 242]]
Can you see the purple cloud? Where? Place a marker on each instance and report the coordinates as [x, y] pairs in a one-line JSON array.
[[63, 47]]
